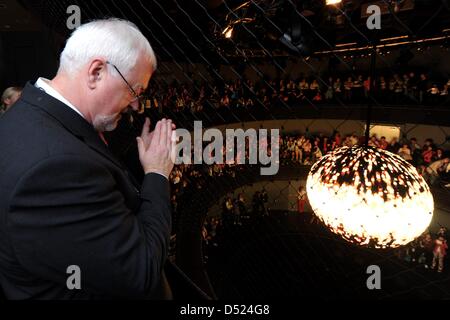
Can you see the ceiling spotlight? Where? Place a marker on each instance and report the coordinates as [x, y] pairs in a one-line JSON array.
[[370, 197], [330, 2], [228, 32]]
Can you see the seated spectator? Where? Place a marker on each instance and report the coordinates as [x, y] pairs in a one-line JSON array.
[[367, 87], [373, 142], [9, 97], [413, 145], [429, 142], [383, 144], [225, 101], [428, 154], [348, 142], [391, 88], [434, 90], [317, 153], [337, 88], [228, 212], [317, 97], [336, 141], [416, 152], [326, 145], [393, 146], [354, 139], [398, 88], [383, 88], [412, 85], [444, 91], [348, 87], [422, 86], [298, 151], [405, 152], [314, 87], [439, 154], [426, 244], [405, 84], [434, 93], [435, 169], [307, 149], [358, 89], [242, 208], [329, 89], [303, 85]]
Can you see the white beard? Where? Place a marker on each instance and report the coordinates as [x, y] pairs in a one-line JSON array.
[[104, 123]]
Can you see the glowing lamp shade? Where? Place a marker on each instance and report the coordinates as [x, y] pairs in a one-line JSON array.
[[370, 197], [329, 2]]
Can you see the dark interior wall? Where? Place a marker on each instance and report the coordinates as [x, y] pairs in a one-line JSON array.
[[27, 55]]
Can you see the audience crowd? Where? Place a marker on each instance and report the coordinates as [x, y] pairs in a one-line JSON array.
[[397, 89]]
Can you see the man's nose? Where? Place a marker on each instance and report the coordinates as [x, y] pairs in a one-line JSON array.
[[135, 105]]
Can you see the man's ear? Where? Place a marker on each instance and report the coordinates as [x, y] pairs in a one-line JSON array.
[[96, 71]]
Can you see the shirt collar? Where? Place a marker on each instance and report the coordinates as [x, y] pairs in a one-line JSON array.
[[43, 84]]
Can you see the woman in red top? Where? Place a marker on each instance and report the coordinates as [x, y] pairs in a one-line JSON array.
[[428, 154], [439, 253], [301, 199], [336, 141]]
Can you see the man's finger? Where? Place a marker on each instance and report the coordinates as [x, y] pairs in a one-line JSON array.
[[163, 137], [169, 132], [145, 127], [156, 133], [173, 147]]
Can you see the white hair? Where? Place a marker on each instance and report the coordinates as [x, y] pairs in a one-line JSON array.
[[118, 41]]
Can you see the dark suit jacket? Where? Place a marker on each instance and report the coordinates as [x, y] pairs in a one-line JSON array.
[[66, 200]]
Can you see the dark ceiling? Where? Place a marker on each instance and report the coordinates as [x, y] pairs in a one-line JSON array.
[[14, 17], [192, 29]]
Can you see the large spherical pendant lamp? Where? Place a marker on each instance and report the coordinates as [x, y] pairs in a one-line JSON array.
[[370, 196]]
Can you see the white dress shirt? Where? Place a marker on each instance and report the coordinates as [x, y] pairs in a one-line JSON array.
[[43, 84]]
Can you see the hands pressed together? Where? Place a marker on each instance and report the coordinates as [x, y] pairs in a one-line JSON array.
[[157, 148]]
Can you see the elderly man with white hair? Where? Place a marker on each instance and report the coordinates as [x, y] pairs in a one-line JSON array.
[[74, 224]]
